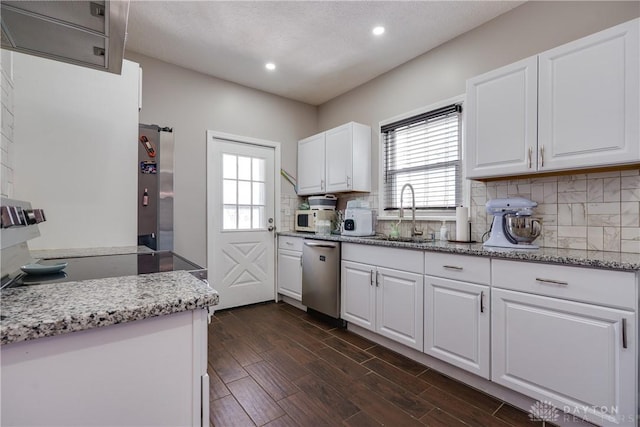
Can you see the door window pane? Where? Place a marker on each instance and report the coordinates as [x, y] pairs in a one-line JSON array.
[[244, 168], [229, 218], [258, 193], [244, 217], [229, 192], [258, 217], [258, 170], [229, 166], [244, 192]]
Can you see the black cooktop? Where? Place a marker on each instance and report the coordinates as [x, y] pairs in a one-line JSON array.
[[100, 267]]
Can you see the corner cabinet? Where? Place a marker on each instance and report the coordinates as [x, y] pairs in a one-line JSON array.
[[384, 300], [575, 106], [457, 311], [338, 160], [290, 266], [567, 335]]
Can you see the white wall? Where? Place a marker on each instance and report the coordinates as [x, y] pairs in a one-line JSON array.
[[192, 103], [441, 73], [76, 151]]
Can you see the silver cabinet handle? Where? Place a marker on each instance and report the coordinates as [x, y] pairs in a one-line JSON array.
[[377, 278], [371, 277], [452, 267], [271, 228], [481, 301], [542, 156], [553, 282], [322, 184], [530, 150], [288, 243], [624, 333], [300, 261]]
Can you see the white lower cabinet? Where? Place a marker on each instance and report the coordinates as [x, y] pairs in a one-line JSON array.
[[456, 323], [579, 356], [290, 267], [383, 300]]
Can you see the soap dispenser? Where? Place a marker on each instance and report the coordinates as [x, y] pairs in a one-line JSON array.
[[444, 232]]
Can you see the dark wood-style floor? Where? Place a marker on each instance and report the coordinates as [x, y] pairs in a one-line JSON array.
[[274, 365]]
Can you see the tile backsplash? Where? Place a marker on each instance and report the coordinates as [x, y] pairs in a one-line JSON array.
[[592, 211]]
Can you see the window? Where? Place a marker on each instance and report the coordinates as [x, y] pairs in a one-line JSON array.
[[424, 150], [243, 192]]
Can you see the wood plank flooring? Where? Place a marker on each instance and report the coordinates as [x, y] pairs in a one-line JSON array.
[[274, 365]]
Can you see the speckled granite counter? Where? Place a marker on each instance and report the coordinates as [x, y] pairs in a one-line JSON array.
[[32, 312], [574, 257]]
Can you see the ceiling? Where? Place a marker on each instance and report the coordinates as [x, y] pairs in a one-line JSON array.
[[321, 48]]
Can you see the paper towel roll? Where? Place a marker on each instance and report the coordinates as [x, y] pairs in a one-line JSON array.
[[462, 224]]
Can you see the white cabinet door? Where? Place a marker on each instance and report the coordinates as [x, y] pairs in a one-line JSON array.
[[311, 179], [574, 355], [290, 273], [588, 101], [358, 294], [399, 312], [456, 324], [339, 154], [501, 115]]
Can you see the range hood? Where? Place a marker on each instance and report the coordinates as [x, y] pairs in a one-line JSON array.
[[87, 33]]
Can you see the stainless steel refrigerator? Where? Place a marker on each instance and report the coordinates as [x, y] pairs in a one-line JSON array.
[[155, 187]]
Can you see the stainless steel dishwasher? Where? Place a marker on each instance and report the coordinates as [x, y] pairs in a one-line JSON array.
[[321, 276]]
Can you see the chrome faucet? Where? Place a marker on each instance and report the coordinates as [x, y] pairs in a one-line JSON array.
[[414, 230]]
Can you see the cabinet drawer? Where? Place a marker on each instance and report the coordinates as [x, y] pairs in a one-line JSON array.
[[290, 243], [458, 267], [603, 287], [398, 259]]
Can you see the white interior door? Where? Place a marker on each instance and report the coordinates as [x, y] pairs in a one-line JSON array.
[[241, 220]]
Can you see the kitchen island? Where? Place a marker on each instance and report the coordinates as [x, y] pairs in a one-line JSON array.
[[117, 351]]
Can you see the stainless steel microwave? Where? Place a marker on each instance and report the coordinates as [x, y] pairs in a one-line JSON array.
[[306, 220]]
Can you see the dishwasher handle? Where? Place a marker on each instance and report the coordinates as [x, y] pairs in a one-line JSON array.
[[321, 244]]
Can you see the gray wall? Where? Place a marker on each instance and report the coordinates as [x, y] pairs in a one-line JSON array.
[[192, 103], [441, 73]]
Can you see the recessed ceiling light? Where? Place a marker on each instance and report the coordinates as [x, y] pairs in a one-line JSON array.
[[378, 31], [270, 66]]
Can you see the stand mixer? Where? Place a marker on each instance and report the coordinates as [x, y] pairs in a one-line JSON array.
[[513, 225]]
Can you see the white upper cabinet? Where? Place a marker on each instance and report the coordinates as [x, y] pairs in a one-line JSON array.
[[311, 165], [572, 107], [588, 101], [502, 120], [338, 160]]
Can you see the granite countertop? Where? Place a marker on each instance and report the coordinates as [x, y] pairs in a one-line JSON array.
[[31, 312], [573, 257], [83, 252]]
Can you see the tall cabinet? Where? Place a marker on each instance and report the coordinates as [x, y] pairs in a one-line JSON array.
[[338, 160], [575, 106]]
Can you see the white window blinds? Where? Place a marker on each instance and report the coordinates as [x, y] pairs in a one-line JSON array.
[[424, 151]]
